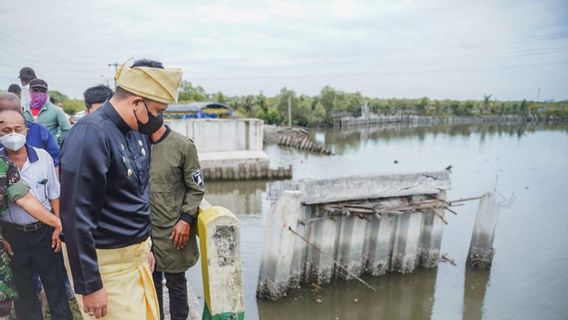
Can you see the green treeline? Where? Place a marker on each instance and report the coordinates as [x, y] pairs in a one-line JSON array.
[[331, 103]]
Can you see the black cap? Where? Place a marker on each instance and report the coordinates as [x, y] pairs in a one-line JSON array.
[[27, 73], [38, 83]]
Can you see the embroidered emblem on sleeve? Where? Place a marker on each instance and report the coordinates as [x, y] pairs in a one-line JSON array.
[[198, 177]]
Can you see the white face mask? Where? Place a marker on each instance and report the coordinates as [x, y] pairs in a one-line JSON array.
[[13, 141]]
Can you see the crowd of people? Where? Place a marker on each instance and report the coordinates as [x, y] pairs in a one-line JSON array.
[[103, 210]]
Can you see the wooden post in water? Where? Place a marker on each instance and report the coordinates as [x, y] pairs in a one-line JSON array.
[[481, 246]]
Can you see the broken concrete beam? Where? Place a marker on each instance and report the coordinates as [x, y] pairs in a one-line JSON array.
[[432, 231], [277, 267], [372, 187], [481, 250]]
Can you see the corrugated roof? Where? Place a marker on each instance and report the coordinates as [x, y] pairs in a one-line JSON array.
[[196, 106]]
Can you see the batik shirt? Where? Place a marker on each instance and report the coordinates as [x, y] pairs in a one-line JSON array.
[[11, 189]]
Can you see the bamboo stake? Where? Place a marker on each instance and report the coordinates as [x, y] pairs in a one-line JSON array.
[[464, 199], [440, 216], [450, 210], [334, 261]]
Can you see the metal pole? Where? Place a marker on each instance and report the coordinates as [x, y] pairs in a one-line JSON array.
[[289, 111], [115, 67]]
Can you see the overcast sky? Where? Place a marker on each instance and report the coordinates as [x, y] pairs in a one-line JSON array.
[[438, 48]]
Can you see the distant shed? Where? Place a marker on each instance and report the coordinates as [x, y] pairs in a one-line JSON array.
[[198, 110]]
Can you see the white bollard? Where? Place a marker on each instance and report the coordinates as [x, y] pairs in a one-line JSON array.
[[221, 264]]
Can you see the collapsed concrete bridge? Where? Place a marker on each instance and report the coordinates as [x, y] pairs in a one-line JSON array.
[[318, 230]]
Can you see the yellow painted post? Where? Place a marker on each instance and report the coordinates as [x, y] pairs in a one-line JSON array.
[[221, 264]]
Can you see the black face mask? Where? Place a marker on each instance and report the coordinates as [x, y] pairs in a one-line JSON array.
[[154, 123]]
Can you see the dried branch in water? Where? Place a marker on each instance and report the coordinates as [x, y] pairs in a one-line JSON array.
[[331, 258]]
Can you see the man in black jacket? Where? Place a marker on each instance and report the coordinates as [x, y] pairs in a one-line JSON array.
[[105, 195]]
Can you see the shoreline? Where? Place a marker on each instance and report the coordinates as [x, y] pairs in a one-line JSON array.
[[441, 120]]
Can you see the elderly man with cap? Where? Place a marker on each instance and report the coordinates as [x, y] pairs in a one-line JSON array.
[[27, 74], [105, 208], [42, 111]]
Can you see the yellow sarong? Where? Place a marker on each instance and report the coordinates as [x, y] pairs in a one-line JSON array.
[[127, 280]]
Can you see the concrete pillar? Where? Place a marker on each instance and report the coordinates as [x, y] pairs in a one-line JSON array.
[[221, 264], [432, 231], [405, 255], [352, 235], [323, 234], [277, 267], [380, 250], [481, 246]]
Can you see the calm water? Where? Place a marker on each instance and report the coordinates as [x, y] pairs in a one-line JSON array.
[[529, 277]]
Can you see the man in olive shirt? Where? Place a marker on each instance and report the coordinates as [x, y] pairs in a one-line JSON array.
[[176, 190]]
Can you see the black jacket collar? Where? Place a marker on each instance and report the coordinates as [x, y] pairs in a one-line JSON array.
[[111, 113]]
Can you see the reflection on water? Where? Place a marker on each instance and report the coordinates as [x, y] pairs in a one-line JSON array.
[[476, 282], [342, 140], [242, 197], [528, 276], [397, 297]]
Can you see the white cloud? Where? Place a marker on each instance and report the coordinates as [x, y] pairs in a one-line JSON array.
[[345, 9], [443, 48]]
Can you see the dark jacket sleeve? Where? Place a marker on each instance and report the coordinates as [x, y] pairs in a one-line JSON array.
[[51, 146], [85, 159]]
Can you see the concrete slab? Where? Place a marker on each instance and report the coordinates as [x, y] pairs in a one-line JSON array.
[[372, 187]]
